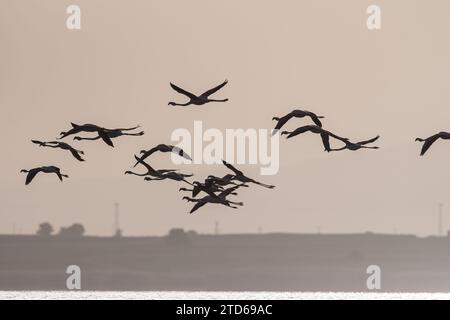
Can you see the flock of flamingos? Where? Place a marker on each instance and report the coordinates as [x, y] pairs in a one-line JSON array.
[[217, 189]]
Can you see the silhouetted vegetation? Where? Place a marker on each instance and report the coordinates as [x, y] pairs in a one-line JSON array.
[[177, 236], [76, 230], [45, 230]]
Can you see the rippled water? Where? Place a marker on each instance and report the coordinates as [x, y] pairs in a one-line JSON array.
[[181, 295]]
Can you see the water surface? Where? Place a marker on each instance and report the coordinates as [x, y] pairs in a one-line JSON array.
[[215, 295]]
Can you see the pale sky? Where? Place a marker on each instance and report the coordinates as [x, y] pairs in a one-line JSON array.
[[315, 55]]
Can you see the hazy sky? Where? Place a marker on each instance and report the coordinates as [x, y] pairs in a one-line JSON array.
[[316, 55]]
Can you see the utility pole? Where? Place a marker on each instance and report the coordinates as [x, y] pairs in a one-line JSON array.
[[216, 228], [117, 231]]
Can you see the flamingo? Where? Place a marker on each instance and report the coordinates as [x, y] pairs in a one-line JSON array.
[[197, 100]]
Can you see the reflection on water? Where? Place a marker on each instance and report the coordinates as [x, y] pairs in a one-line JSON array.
[[216, 295]]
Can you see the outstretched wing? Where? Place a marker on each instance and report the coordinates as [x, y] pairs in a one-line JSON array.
[[31, 174], [145, 164], [227, 192], [105, 137], [195, 191], [59, 175], [428, 143], [124, 129], [315, 119], [182, 91], [146, 155], [167, 170], [198, 205], [298, 131], [76, 154], [331, 134], [229, 166], [181, 153], [368, 141], [326, 141], [283, 121], [213, 90]]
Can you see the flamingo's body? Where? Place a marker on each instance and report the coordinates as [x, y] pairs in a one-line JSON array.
[[108, 134], [163, 148], [197, 100], [46, 169], [213, 198], [163, 174], [239, 176], [324, 134], [62, 145], [296, 114], [354, 146], [428, 142]]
